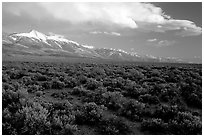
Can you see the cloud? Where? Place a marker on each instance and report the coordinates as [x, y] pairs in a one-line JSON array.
[[135, 15], [115, 33], [160, 43], [165, 43], [105, 13], [30, 8], [152, 40], [107, 33], [185, 27], [189, 32], [96, 32], [181, 27], [112, 33], [57, 35]]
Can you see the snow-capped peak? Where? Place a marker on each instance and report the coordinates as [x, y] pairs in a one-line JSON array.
[[34, 34], [37, 34]]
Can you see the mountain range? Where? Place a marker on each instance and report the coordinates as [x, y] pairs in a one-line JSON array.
[[39, 44]]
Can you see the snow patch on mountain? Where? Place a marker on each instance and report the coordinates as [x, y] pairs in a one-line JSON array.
[[120, 50], [58, 45], [134, 54], [57, 38], [151, 56], [87, 46], [111, 53], [73, 42], [13, 38], [61, 38]]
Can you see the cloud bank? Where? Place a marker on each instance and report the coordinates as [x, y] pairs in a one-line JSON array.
[[160, 43], [114, 15], [107, 33]]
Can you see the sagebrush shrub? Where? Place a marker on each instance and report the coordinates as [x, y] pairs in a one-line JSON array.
[[79, 90], [92, 84], [113, 125], [155, 125], [185, 123], [56, 84], [90, 113], [113, 100], [35, 119]]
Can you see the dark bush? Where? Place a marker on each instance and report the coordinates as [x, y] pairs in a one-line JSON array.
[[113, 125], [5, 78], [40, 77], [70, 82], [186, 124], [133, 90], [33, 88], [46, 85], [61, 95], [194, 100], [147, 98], [17, 74], [113, 100], [63, 119], [56, 84], [7, 86], [132, 109], [154, 125], [39, 93], [166, 112], [95, 96], [89, 114], [92, 84], [27, 80], [79, 90], [82, 79]]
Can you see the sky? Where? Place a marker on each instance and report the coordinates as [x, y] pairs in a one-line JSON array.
[[168, 29]]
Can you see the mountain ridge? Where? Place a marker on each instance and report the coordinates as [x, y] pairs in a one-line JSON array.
[[35, 42]]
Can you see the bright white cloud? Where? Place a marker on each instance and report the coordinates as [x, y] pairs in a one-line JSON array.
[[107, 33], [107, 13], [152, 40], [123, 15]]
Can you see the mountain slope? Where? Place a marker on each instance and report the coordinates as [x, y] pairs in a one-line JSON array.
[[37, 43]]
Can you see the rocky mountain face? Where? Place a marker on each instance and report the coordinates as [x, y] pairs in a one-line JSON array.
[[37, 43]]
